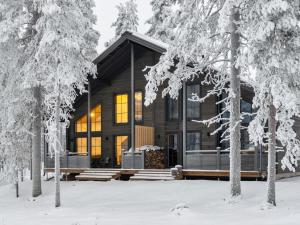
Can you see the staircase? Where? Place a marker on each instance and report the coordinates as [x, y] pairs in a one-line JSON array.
[[98, 175], [153, 175]]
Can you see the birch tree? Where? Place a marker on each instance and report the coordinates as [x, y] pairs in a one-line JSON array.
[[127, 19], [206, 34]]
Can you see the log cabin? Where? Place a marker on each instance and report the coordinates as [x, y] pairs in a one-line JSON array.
[[111, 119]]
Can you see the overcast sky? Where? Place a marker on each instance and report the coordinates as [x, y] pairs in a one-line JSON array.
[[107, 13]]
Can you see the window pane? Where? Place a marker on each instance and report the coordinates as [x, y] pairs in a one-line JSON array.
[[246, 107], [193, 108], [96, 146], [81, 144], [81, 124], [121, 108], [193, 141], [172, 109], [121, 143], [96, 118], [138, 106]]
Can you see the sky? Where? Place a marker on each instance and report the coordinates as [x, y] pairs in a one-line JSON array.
[[107, 13]]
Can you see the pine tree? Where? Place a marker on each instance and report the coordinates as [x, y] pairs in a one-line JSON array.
[[65, 46], [160, 23], [273, 31], [205, 33], [15, 120], [127, 19]]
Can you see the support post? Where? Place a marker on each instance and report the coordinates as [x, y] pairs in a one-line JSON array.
[[132, 106], [218, 158], [89, 125], [184, 99]]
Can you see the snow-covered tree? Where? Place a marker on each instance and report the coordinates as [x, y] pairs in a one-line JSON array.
[[15, 119], [62, 52], [161, 22], [273, 33], [206, 32], [127, 19]]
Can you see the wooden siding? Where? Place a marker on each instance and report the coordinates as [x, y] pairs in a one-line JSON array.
[[144, 136]]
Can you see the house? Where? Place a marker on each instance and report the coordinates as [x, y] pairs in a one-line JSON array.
[[102, 140]]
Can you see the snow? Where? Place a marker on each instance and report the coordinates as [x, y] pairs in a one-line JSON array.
[[182, 202]]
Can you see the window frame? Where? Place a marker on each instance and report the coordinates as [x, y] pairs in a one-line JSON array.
[[201, 140], [187, 101], [114, 111], [167, 116], [142, 120]]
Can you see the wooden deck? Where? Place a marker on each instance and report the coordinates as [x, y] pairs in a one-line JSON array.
[[186, 172]]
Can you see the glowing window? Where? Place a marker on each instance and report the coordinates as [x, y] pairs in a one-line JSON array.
[[81, 144], [121, 143], [81, 124], [138, 106], [96, 146], [121, 108], [96, 118]]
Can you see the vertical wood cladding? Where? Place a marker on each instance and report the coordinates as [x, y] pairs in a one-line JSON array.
[[117, 81]]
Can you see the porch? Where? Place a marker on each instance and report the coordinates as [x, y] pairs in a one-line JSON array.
[[186, 173]]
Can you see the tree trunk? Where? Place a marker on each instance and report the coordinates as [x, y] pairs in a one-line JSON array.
[[57, 156], [272, 156], [36, 151], [235, 135], [17, 184]]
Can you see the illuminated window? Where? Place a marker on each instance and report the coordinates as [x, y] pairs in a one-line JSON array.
[[121, 143], [96, 146], [81, 124], [81, 144], [138, 106], [121, 108], [96, 118]]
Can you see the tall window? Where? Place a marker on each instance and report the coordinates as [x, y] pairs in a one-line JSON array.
[[138, 106], [96, 146], [81, 124], [193, 141], [121, 143], [193, 108], [96, 118], [121, 108], [81, 145], [246, 107], [172, 108]]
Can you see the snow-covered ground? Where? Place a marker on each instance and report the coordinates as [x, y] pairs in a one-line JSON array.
[[197, 202]]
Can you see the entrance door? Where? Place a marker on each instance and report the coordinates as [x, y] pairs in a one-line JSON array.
[[121, 144], [172, 146]]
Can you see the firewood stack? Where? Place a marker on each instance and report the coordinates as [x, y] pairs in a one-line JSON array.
[[155, 159]]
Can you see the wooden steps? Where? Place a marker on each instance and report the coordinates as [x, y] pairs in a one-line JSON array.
[[152, 175], [98, 175]]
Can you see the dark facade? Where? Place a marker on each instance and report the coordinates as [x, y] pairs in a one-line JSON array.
[[164, 116]]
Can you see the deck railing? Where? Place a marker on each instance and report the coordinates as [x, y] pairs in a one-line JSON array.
[[252, 159], [69, 160]]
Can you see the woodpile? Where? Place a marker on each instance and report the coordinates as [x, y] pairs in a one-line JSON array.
[[155, 159]]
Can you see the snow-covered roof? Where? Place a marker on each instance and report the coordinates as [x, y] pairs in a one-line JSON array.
[[135, 37]]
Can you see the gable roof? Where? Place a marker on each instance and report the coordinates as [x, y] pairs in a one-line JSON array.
[[135, 37]]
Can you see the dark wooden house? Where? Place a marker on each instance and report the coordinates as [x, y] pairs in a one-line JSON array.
[[112, 118]]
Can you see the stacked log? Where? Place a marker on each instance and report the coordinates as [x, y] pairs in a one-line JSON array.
[[155, 159]]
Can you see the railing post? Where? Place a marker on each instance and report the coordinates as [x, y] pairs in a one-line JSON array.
[[218, 158], [255, 158], [143, 159]]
